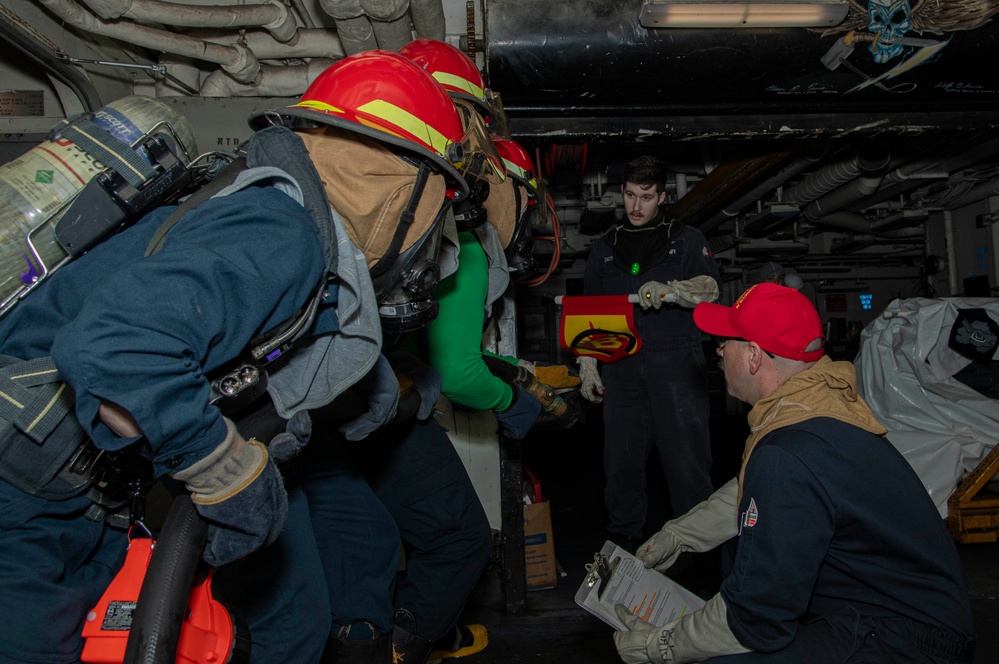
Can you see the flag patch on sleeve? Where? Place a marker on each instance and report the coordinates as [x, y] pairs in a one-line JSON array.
[[751, 515]]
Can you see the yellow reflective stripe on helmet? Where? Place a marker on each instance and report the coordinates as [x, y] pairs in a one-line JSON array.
[[319, 106], [409, 122], [514, 169], [461, 83]]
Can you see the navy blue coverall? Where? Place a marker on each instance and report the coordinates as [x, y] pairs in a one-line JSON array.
[[657, 396], [834, 567], [141, 332]]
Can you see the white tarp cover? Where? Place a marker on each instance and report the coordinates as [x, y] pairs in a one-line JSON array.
[[905, 370]]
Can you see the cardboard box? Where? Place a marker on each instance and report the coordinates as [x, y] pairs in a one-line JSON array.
[[539, 546]]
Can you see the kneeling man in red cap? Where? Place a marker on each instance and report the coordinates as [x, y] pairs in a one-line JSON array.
[[842, 555]]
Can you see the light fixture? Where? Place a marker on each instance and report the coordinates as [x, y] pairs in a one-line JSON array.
[[742, 14]]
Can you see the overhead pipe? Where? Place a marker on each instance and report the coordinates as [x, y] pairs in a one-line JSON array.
[[901, 219], [836, 174], [897, 180], [834, 201], [853, 222], [681, 185], [979, 192], [352, 25], [303, 14], [723, 183], [13, 32], [857, 243], [237, 60], [812, 153], [948, 220], [314, 43], [273, 81], [948, 158], [389, 21], [272, 16], [428, 18]]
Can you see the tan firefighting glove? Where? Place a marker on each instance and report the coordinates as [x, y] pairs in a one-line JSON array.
[[592, 388], [707, 525], [687, 293], [555, 376], [695, 637]]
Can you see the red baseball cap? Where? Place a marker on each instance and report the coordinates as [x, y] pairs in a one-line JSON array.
[[780, 319]]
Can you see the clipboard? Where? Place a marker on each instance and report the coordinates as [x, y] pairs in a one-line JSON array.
[[617, 577]]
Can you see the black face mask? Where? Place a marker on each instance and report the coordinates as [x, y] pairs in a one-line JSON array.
[[469, 213], [519, 253], [404, 281]]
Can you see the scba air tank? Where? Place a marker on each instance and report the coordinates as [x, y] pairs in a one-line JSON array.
[[36, 187]]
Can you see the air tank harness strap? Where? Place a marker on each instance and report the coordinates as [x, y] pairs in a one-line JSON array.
[[107, 149], [226, 177], [39, 436], [34, 412]]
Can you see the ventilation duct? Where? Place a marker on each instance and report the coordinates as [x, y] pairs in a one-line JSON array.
[[902, 219], [773, 217], [308, 43], [808, 155], [771, 249], [287, 81], [270, 15], [236, 60], [977, 193]]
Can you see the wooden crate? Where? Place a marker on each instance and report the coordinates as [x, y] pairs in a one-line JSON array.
[[973, 509]]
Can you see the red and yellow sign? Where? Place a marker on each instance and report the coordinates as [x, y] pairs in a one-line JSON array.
[[599, 326]]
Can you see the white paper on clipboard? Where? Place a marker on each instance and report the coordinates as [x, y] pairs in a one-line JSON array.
[[655, 598]]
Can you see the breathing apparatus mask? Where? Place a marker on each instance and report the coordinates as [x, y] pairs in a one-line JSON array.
[[482, 168], [520, 251], [517, 207], [394, 207]]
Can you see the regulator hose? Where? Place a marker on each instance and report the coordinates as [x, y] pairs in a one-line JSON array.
[[159, 612]]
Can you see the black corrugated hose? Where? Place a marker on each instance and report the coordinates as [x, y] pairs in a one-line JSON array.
[[159, 612]]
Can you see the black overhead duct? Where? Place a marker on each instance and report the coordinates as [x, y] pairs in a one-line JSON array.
[[588, 69]]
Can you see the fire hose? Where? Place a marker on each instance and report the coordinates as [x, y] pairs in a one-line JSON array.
[[159, 609], [565, 413], [159, 613]]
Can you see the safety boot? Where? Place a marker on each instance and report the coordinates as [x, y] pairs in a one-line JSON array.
[[358, 651], [408, 648], [464, 640]]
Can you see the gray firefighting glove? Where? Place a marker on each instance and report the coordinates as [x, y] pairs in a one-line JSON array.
[[380, 388], [687, 293], [695, 637], [290, 442], [416, 377], [592, 387], [238, 490], [707, 525]]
